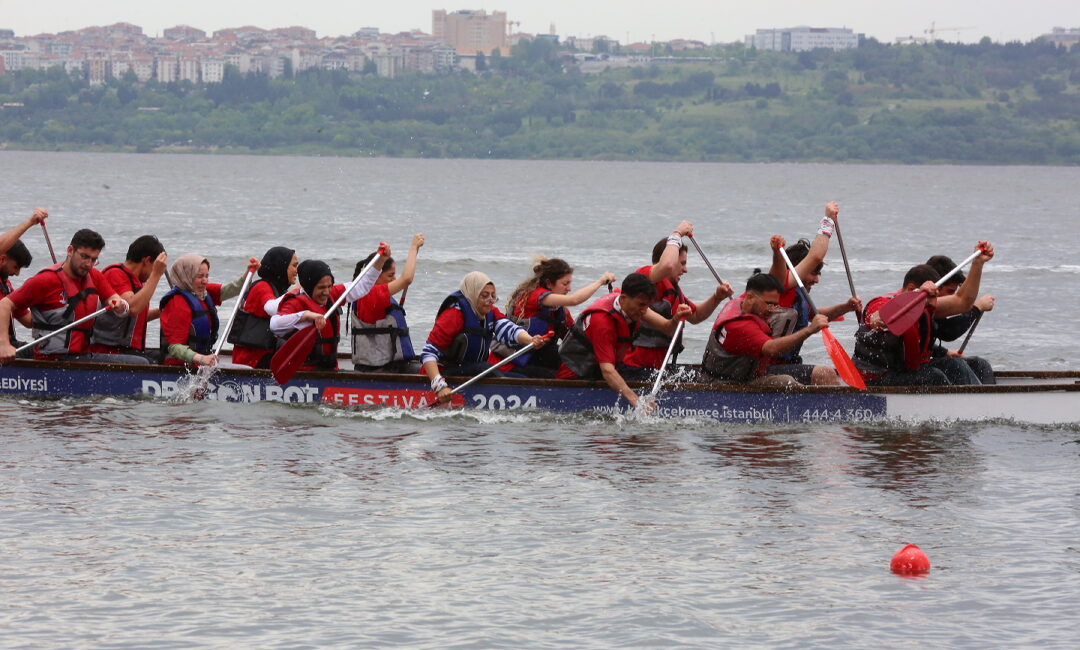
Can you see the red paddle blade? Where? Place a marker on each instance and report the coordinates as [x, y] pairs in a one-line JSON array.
[[844, 365], [288, 359], [903, 311]]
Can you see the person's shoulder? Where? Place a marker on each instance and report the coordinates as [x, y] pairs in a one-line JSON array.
[[378, 293], [117, 278]]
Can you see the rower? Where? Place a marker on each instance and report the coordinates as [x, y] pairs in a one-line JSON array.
[[467, 322], [953, 327], [793, 314], [308, 307], [380, 333], [59, 295], [742, 346], [135, 280], [885, 359], [12, 262], [598, 343], [540, 305], [253, 342], [669, 257], [189, 320]]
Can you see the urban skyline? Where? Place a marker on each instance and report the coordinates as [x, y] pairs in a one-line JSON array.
[[626, 21]]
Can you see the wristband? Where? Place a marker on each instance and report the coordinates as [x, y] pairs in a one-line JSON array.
[[438, 384], [827, 227], [674, 240]]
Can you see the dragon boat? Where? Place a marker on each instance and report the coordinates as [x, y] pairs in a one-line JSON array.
[[1047, 397]]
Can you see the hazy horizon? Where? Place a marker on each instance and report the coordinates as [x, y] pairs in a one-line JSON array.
[[626, 21]]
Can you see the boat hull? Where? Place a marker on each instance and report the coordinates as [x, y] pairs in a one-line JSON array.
[[1046, 398]]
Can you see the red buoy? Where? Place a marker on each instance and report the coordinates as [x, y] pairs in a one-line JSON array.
[[910, 560]]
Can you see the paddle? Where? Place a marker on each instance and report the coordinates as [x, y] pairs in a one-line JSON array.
[[205, 372], [487, 372], [62, 329], [289, 357], [847, 268], [667, 357], [978, 317], [48, 241], [705, 259], [840, 358], [903, 311]]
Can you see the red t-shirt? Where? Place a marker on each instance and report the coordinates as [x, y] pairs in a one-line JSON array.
[[259, 295], [642, 357], [373, 306], [121, 284], [44, 291], [747, 337], [176, 320], [16, 314], [602, 330]]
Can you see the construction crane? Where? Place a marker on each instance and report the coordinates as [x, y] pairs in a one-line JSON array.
[[934, 29]]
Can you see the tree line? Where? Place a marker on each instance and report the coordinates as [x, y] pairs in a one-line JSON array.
[[1013, 103]]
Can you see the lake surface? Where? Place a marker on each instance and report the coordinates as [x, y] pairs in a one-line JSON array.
[[151, 524]]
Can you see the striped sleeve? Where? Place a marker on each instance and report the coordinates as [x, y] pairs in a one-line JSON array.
[[507, 331]]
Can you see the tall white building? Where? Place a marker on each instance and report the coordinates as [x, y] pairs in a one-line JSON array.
[[801, 39]]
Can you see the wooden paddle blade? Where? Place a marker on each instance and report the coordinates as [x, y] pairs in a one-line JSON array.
[[903, 311], [289, 357], [844, 365]]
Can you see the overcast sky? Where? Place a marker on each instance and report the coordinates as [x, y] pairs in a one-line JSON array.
[[633, 20]]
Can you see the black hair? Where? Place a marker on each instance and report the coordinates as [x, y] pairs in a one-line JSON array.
[[367, 260], [87, 238], [798, 251], [921, 273], [943, 264], [21, 254], [143, 247], [637, 284], [763, 283], [658, 250]]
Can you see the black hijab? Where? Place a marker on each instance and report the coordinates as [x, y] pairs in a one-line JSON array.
[[310, 272], [275, 268]]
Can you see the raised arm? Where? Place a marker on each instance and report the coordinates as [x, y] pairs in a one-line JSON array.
[[8, 239], [140, 300], [668, 265], [581, 295], [409, 273], [965, 297]]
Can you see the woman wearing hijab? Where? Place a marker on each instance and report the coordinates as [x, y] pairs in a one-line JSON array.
[[253, 342], [189, 321], [308, 307], [380, 333], [459, 344]]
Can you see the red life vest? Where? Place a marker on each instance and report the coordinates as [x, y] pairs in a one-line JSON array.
[[577, 350], [878, 350], [80, 298], [721, 363], [324, 354]]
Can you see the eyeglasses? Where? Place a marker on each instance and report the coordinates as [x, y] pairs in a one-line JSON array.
[[488, 297], [83, 257]]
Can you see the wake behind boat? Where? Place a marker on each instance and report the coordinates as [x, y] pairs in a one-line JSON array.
[[1021, 396]]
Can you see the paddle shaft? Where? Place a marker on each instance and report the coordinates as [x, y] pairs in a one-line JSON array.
[[232, 317], [667, 358], [900, 312], [63, 329], [971, 331], [48, 242], [492, 369], [798, 281], [706, 260], [847, 268]]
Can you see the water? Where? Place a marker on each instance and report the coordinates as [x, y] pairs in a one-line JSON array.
[[146, 524]]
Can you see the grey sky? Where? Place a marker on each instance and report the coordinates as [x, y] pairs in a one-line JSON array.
[[640, 20]]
